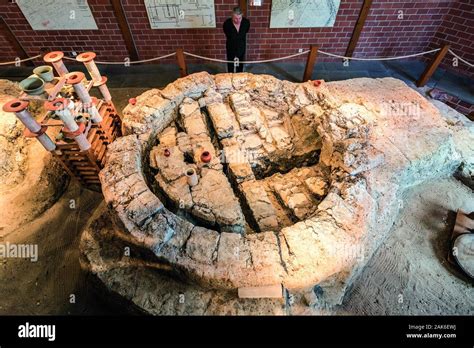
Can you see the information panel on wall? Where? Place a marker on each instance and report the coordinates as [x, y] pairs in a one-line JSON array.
[[57, 14], [176, 14], [303, 13]]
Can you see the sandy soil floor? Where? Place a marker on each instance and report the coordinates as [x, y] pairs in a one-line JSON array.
[[409, 273], [46, 286]]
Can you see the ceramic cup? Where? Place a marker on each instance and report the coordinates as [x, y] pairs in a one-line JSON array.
[[45, 72]]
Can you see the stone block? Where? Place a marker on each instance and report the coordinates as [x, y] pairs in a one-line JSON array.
[[202, 245], [143, 206], [223, 121]]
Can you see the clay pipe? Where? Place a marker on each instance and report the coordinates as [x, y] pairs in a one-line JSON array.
[[75, 79], [62, 107], [99, 81], [56, 58], [35, 130], [191, 177]]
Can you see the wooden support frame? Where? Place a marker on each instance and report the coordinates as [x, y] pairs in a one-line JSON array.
[[432, 66], [86, 165], [310, 61], [183, 69], [125, 29], [364, 12], [10, 36]]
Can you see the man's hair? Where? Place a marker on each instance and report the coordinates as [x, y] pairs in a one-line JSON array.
[[237, 10]]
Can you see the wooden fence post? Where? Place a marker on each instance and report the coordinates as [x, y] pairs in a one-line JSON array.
[[183, 71], [364, 12], [243, 7], [310, 61], [432, 66], [125, 29]]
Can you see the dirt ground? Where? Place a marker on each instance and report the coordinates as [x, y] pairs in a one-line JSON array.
[[408, 274], [46, 286]]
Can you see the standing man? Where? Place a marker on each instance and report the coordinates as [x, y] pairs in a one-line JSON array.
[[236, 29]]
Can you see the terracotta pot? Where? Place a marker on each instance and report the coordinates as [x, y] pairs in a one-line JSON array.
[[206, 157]]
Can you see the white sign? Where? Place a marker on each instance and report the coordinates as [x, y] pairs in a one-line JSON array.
[[177, 14], [57, 14], [303, 13]]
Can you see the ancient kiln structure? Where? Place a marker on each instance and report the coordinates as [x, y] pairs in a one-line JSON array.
[[249, 185]]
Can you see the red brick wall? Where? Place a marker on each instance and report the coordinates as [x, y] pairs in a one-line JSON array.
[[400, 27], [107, 42], [424, 22], [156, 42], [458, 30], [7, 52], [263, 42], [268, 43]]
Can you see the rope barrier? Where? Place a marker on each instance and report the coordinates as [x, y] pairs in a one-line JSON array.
[[257, 61], [131, 62], [379, 58], [244, 61], [20, 60], [461, 59]]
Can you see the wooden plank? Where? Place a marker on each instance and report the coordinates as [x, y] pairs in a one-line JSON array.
[[73, 154], [10, 36], [78, 169], [65, 166], [125, 29], [431, 68], [183, 71], [89, 172], [90, 176], [93, 138], [68, 146], [92, 159], [310, 61], [101, 154], [96, 144], [243, 7], [364, 12]]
